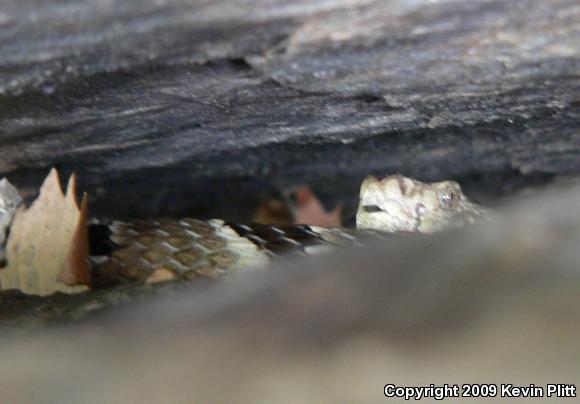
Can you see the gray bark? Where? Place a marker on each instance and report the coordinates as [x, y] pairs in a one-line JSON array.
[[202, 108]]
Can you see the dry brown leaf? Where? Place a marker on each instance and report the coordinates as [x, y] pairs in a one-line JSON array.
[[310, 211], [48, 250], [302, 207], [273, 212]]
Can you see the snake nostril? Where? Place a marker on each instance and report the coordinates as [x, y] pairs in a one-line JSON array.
[[372, 208]]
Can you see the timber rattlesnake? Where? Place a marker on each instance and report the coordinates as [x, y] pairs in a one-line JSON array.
[[189, 248]]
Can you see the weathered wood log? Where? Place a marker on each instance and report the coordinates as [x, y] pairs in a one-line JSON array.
[[216, 101]]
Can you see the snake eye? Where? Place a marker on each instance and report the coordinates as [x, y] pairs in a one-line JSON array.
[[372, 208], [420, 209]]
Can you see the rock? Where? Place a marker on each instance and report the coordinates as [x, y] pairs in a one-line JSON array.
[[492, 303]]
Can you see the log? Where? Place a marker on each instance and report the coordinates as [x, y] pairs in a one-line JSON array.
[[201, 108]]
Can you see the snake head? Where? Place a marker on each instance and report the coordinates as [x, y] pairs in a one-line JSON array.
[[10, 200], [396, 203]]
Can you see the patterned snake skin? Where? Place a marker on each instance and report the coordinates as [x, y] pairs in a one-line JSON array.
[[190, 248]]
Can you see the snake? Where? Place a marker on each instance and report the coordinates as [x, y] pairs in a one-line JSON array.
[[187, 248]]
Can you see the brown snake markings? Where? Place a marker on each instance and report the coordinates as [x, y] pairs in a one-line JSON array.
[[190, 248], [193, 248]]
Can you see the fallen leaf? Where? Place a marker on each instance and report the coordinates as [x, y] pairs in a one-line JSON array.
[[301, 207], [310, 211], [273, 212], [47, 250]]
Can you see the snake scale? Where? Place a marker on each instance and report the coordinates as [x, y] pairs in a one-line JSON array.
[[189, 248]]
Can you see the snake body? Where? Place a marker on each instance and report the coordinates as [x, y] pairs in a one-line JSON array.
[[189, 248]]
